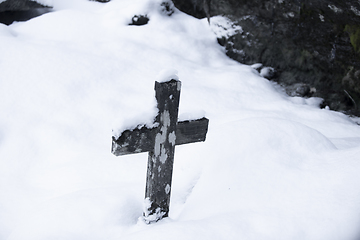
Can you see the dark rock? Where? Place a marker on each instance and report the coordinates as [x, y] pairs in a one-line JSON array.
[[8, 17], [196, 8], [305, 41], [166, 7], [139, 20], [19, 5], [20, 10]]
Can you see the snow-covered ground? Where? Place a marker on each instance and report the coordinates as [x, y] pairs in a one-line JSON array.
[[272, 167]]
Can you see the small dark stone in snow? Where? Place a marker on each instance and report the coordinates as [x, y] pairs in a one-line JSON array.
[[139, 20]]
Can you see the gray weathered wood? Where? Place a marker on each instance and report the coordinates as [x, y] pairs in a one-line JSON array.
[[160, 143], [161, 157], [142, 139]]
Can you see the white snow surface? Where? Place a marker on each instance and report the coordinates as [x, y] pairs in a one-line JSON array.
[[167, 75], [272, 166]]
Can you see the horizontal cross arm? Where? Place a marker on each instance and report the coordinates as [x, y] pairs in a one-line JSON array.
[[134, 141], [142, 139], [191, 131]]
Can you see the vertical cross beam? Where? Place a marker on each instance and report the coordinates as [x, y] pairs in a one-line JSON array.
[[160, 142], [161, 157]]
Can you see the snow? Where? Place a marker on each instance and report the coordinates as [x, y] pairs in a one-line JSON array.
[[167, 75], [224, 27], [335, 9], [272, 166], [355, 10], [193, 115], [266, 71], [151, 217], [257, 66]]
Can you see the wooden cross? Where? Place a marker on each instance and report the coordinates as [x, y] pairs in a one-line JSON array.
[[160, 142]]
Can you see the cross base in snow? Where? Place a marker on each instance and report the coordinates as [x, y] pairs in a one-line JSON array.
[[160, 142]]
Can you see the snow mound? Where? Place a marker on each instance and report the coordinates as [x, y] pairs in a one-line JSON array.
[[267, 170], [167, 75]]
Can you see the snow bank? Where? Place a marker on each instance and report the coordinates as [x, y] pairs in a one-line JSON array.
[[4, 31], [272, 167]]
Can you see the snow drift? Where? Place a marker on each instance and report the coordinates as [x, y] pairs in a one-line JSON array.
[[272, 167]]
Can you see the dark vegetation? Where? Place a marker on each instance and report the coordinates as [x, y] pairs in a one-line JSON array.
[[308, 42]]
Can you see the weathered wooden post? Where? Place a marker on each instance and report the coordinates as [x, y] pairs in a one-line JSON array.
[[161, 158], [160, 142]]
